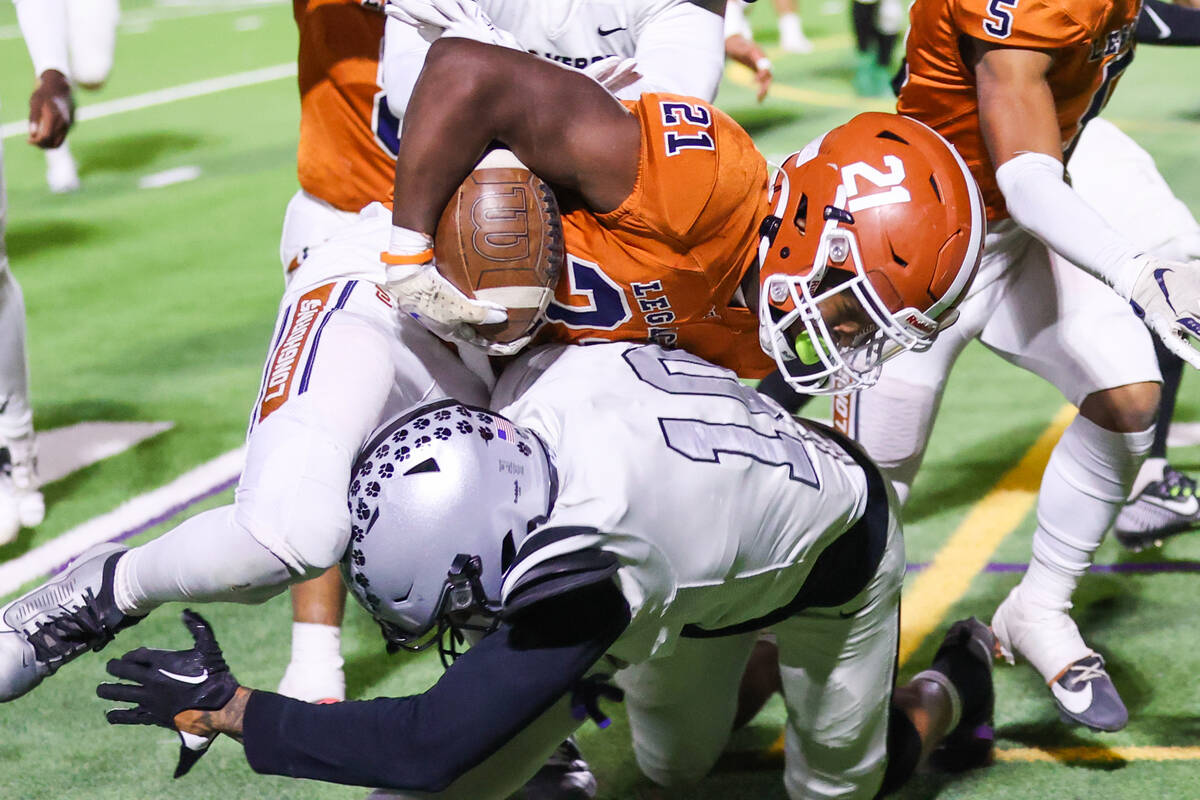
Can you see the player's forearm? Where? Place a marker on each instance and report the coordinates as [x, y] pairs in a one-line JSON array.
[[227, 720], [1042, 203], [563, 125], [43, 25], [427, 741]]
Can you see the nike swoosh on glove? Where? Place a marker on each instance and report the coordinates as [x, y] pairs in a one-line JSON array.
[[461, 18], [425, 294], [1166, 295], [163, 683]]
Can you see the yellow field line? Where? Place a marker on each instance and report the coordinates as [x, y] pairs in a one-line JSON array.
[[970, 547], [1068, 755]]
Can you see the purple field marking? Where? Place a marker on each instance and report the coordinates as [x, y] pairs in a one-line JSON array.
[[142, 527]]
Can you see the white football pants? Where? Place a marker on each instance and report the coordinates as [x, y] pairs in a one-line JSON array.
[[307, 222], [16, 417], [837, 666], [341, 361]]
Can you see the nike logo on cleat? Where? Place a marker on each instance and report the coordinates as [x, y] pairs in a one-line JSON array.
[[608, 32], [197, 679], [1074, 702]]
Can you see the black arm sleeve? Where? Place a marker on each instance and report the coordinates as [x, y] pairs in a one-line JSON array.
[[1167, 23], [426, 741]]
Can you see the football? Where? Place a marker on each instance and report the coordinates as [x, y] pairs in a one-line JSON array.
[[500, 239]]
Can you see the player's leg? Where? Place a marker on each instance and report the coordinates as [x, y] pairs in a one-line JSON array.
[[862, 21], [791, 31], [1118, 178], [837, 666], [329, 377], [307, 222], [1067, 327], [314, 672], [20, 501], [91, 40], [1163, 501], [892, 420], [681, 707]]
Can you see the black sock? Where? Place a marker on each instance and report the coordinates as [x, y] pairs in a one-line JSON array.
[[863, 17], [1171, 367], [970, 677], [885, 47], [903, 750]]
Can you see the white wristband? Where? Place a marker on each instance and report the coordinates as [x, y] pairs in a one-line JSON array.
[[406, 241], [763, 64]]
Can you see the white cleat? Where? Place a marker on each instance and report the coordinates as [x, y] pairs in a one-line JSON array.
[[1049, 640], [60, 620]]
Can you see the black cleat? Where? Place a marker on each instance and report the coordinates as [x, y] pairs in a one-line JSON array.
[[1162, 508], [965, 658]]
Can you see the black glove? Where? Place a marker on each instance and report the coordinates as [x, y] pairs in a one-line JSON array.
[[166, 682]]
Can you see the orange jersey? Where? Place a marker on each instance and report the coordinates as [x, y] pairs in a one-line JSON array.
[[1092, 43], [664, 266], [342, 159]]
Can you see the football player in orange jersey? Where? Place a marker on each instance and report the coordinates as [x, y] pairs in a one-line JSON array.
[[348, 131], [1011, 86]]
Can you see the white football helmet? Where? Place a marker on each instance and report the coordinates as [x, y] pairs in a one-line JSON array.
[[441, 499]]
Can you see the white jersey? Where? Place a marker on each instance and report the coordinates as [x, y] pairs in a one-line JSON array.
[[679, 45], [715, 500]]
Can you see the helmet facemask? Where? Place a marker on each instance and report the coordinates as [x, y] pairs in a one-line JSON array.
[[811, 354], [463, 606]]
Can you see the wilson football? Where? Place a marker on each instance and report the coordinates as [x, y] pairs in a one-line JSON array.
[[500, 239]]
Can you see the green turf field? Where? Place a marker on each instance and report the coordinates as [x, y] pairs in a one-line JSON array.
[[156, 305]]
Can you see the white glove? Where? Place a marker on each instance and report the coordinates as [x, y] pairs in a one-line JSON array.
[[424, 293], [437, 18], [614, 73], [1166, 295]]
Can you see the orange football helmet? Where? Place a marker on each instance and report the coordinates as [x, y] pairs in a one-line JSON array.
[[882, 210]]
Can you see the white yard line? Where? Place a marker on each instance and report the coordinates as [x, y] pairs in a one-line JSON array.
[[169, 177], [126, 520], [140, 20], [160, 97]]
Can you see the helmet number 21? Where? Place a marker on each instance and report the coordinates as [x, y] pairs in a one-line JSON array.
[[889, 180]]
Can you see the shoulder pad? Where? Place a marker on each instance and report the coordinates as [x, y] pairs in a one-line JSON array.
[[559, 576]]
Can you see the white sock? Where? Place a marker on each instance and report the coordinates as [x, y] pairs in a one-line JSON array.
[[1084, 487], [1152, 470], [208, 558], [314, 642]]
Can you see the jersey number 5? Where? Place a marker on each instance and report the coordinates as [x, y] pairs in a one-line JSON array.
[[999, 21]]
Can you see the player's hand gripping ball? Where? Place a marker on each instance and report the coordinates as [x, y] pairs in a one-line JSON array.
[[500, 239]]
